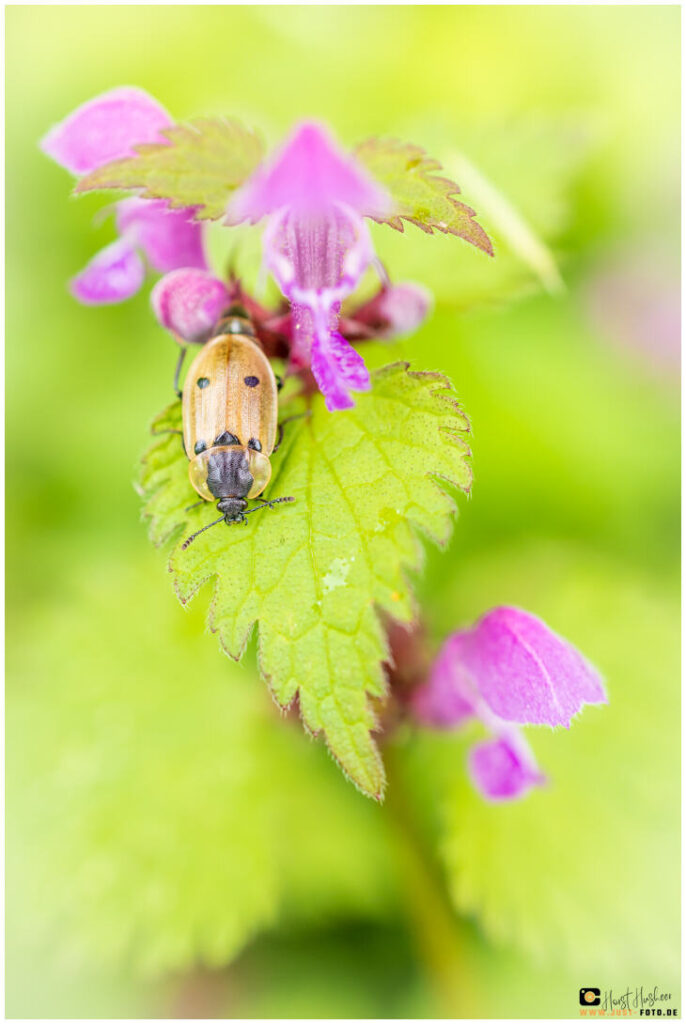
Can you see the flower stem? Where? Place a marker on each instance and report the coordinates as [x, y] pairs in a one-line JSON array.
[[437, 932]]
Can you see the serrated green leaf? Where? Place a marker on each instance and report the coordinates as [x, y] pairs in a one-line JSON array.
[[520, 176], [203, 163], [420, 196], [315, 574]]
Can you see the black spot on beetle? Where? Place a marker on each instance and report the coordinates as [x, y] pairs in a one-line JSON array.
[[255, 443], [203, 382], [251, 382], [226, 438], [199, 446]]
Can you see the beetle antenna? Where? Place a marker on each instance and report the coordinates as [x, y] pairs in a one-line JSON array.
[[189, 540], [267, 504]]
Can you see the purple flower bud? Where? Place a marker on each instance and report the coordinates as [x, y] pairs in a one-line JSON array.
[[396, 309], [502, 769], [189, 303]]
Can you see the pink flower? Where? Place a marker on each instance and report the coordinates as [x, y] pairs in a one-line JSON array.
[[317, 246], [635, 301], [107, 128], [508, 670]]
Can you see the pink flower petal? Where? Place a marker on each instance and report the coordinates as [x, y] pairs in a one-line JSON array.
[[395, 310], [189, 303], [169, 238], [501, 771], [338, 369], [105, 128], [445, 700], [307, 175], [317, 262], [317, 247], [525, 672], [114, 274], [310, 255], [509, 668]]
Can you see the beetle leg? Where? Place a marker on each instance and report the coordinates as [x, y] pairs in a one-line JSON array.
[[158, 433], [194, 505], [279, 381], [177, 372], [289, 419]]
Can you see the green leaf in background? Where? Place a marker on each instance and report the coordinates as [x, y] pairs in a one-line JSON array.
[[168, 793], [522, 175], [510, 224], [315, 574], [147, 770], [420, 196], [567, 875], [201, 166]]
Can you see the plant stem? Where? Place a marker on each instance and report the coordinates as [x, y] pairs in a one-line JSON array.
[[436, 930]]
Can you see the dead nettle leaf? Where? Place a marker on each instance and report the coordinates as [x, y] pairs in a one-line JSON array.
[[420, 195], [200, 166], [315, 574]]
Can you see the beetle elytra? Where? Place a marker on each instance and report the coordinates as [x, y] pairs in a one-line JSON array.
[[230, 421]]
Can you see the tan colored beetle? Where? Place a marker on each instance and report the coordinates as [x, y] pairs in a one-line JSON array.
[[230, 421]]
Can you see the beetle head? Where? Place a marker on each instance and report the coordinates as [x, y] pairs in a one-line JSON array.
[[232, 509], [236, 321]]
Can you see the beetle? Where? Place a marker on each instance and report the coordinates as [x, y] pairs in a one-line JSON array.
[[230, 420]]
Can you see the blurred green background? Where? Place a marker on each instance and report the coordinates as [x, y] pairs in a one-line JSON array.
[[174, 846]]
